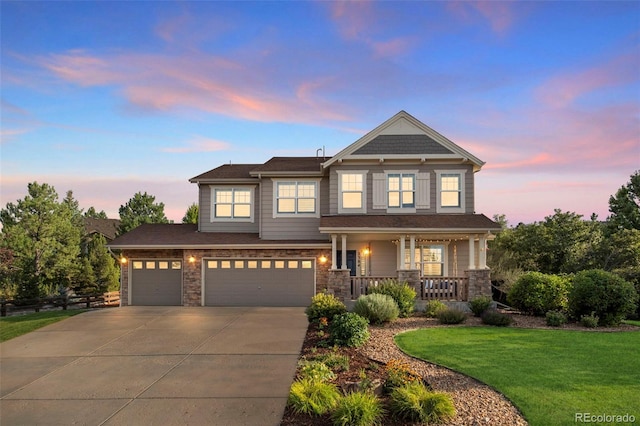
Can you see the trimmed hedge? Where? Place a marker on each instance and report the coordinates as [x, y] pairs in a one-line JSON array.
[[537, 293]]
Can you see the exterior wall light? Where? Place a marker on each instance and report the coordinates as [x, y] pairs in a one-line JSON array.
[[366, 251], [123, 260], [323, 259], [192, 259]]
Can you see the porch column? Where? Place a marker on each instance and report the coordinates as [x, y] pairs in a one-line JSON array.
[[472, 254], [412, 251], [482, 254], [401, 256], [344, 252], [334, 251]]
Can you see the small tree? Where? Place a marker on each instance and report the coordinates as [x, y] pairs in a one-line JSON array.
[[91, 212], [191, 215], [103, 265], [140, 209], [625, 206]]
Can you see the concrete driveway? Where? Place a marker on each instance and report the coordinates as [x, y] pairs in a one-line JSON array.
[[154, 365]]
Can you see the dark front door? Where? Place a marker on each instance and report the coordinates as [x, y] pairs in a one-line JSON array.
[[352, 261]]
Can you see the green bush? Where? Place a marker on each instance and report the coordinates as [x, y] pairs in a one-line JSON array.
[[555, 318], [433, 308], [480, 304], [324, 305], [415, 403], [536, 293], [589, 321], [313, 397], [358, 409], [315, 370], [493, 317], [451, 316], [349, 329], [377, 308], [402, 293], [602, 294], [334, 361]]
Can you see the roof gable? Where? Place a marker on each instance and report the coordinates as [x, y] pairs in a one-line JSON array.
[[404, 137]]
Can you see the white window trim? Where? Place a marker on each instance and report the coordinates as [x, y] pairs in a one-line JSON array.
[[298, 215], [364, 190], [462, 207], [214, 188], [445, 257], [401, 209]]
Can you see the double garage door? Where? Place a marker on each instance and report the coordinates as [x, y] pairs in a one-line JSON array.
[[226, 282], [258, 282]]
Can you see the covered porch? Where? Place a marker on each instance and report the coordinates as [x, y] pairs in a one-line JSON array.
[[440, 263]]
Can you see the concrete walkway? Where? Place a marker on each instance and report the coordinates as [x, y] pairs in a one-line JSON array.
[[153, 365]]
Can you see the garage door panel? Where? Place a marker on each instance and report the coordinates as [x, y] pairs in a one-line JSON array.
[[156, 282], [248, 282]]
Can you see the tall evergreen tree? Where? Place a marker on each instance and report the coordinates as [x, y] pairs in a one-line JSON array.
[[191, 215], [625, 206], [91, 212], [103, 265], [140, 209]]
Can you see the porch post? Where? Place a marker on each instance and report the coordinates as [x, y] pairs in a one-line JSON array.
[[401, 256], [344, 252], [334, 250], [412, 251], [482, 254], [472, 254]]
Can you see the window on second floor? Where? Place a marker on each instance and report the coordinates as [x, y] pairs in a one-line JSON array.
[[401, 190], [451, 194], [297, 198], [352, 191], [232, 204]]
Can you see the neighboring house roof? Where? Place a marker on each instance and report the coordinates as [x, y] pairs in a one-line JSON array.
[[161, 235], [420, 223], [106, 227], [401, 136]]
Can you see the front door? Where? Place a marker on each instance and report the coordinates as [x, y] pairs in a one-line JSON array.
[[352, 261]]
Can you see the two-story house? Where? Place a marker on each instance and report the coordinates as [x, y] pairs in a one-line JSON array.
[[397, 203]]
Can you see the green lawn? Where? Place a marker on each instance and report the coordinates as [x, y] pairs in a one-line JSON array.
[[632, 322], [18, 325], [550, 375]]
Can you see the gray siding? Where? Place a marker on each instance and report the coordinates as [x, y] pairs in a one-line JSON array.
[[291, 228], [206, 225]]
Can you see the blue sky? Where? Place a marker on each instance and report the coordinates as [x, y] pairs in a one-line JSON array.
[[111, 98]]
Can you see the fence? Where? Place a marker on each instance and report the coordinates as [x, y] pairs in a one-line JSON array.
[[431, 288], [85, 300]]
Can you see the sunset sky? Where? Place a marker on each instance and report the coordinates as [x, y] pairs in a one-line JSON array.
[[111, 98]]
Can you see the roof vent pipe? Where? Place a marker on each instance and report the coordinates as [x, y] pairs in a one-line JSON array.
[[318, 151]]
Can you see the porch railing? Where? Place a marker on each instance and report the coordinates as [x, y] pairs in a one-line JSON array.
[[431, 288]]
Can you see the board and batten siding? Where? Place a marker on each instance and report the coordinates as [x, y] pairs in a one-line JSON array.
[[205, 213], [291, 227], [426, 181]]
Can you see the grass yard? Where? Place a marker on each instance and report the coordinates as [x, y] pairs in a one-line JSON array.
[[632, 322], [550, 375], [18, 325]]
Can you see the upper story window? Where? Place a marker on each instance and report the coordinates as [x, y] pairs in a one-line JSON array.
[[352, 190], [401, 190], [232, 204], [296, 198], [451, 194]]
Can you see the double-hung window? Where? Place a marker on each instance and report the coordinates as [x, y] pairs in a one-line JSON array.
[[352, 189], [451, 197], [296, 198], [232, 204], [430, 259], [401, 190]]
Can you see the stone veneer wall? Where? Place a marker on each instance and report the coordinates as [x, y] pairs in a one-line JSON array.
[[479, 283], [192, 272]]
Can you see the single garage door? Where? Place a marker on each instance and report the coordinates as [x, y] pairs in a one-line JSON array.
[[259, 282], [156, 282]]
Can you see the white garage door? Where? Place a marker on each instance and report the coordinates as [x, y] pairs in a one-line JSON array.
[[156, 282], [259, 282]]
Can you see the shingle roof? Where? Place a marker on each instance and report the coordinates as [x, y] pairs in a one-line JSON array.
[[402, 144], [106, 227], [156, 235], [291, 164], [227, 171], [426, 222]]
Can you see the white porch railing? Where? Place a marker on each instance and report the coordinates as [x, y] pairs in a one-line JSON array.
[[431, 288]]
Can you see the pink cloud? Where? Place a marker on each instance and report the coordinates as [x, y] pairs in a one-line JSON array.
[[564, 89], [499, 14], [199, 144], [538, 160]]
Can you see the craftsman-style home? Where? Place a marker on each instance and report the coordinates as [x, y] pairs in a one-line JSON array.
[[397, 203]]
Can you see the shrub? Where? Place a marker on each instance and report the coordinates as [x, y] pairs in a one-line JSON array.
[[349, 329], [399, 373], [602, 294], [536, 293], [433, 308], [493, 317], [315, 370], [555, 318], [589, 321], [358, 409], [377, 308], [314, 397], [324, 305], [402, 293], [334, 361], [480, 304], [415, 403], [452, 316]]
